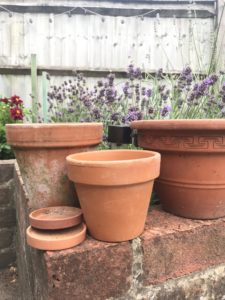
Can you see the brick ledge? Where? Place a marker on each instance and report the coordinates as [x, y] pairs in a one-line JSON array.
[[169, 249]]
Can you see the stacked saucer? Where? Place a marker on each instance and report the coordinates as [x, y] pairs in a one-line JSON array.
[[56, 228]]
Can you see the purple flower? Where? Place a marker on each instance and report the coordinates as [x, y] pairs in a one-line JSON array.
[[133, 114], [148, 92], [187, 71], [110, 93], [189, 79], [151, 110], [126, 88], [210, 80], [71, 110], [143, 90], [87, 101], [115, 116], [165, 110], [100, 83], [101, 93], [164, 97], [96, 113], [134, 72], [111, 78], [137, 73]]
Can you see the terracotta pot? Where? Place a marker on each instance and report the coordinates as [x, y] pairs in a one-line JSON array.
[[114, 189], [41, 150], [192, 177]]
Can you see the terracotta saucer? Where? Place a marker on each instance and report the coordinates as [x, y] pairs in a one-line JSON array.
[[56, 240], [56, 217]]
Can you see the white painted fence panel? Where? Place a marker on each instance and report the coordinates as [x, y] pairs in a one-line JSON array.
[[89, 42]]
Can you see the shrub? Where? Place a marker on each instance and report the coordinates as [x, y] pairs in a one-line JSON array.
[[182, 96], [11, 111]]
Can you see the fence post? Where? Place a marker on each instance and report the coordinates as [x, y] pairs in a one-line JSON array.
[[34, 89], [220, 39], [45, 96]]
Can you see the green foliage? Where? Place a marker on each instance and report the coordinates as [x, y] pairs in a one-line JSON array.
[[5, 150], [11, 111]]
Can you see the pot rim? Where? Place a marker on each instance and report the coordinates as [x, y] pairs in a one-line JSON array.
[[118, 172], [54, 135], [82, 162], [53, 125], [180, 124]]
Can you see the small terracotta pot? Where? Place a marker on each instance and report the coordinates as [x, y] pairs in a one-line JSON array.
[[41, 150], [55, 217], [192, 177], [114, 189]]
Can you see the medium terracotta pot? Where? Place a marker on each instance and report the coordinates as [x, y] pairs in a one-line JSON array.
[[41, 150], [192, 177], [114, 189]]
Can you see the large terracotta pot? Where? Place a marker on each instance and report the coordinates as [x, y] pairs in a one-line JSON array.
[[192, 177], [41, 151], [114, 189]]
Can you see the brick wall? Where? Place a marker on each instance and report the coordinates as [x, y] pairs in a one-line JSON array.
[[175, 258], [7, 213]]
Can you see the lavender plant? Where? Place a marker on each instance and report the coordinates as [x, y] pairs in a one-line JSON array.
[[140, 97]]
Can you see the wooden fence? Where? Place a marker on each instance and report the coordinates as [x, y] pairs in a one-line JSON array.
[[98, 36]]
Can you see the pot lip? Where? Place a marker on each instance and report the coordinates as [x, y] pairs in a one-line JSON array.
[[54, 135], [180, 124], [151, 155], [52, 125]]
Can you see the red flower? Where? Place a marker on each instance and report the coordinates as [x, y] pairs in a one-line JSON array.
[[4, 100], [16, 113], [16, 100]]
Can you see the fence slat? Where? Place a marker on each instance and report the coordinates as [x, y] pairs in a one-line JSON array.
[[45, 96], [34, 88]]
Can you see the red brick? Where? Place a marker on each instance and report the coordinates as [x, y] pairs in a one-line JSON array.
[[174, 246], [93, 270]]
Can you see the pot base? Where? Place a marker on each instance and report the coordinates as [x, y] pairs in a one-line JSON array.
[[192, 203]]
